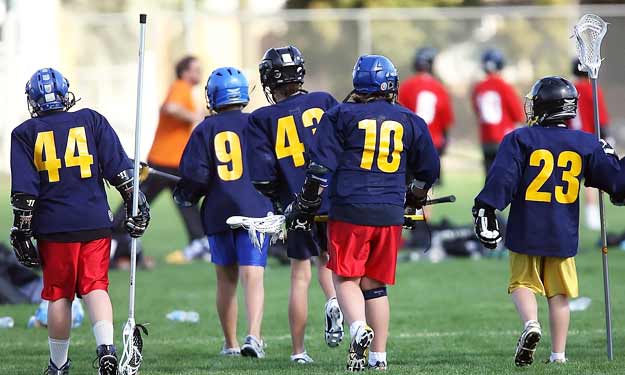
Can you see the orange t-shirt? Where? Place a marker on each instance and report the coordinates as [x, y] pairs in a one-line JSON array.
[[172, 133]]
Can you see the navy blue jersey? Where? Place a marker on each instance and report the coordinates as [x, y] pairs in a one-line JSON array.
[[62, 159], [539, 170], [370, 147], [215, 158], [281, 136]]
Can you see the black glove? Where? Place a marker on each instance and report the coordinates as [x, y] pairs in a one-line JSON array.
[[300, 214], [486, 226], [409, 223], [137, 225], [416, 196], [21, 233], [24, 249]]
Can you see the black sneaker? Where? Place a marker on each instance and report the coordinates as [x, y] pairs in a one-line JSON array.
[[526, 347], [53, 370], [379, 366], [358, 349], [107, 360]]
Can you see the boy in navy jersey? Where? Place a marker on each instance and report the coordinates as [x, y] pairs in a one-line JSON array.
[[59, 161], [280, 137], [214, 166], [367, 145], [538, 170]]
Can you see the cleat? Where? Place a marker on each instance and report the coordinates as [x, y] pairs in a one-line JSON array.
[[301, 358], [556, 361], [230, 352], [358, 349], [334, 323], [526, 346], [107, 360], [379, 366], [53, 370], [253, 347]]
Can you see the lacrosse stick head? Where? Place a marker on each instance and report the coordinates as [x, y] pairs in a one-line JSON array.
[[589, 32], [259, 227], [132, 356]]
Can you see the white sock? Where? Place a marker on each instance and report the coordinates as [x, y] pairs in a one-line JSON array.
[[376, 357], [556, 357], [353, 328], [103, 332], [530, 322], [58, 351]]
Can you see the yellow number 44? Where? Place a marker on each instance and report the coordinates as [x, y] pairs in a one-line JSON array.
[[76, 140]]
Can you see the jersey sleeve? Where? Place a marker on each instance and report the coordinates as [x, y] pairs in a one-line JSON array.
[[505, 175], [331, 102], [261, 156], [111, 155], [179, 95], [328, 142], [601, 170], [423, 161], [196, 162], [24, 175]]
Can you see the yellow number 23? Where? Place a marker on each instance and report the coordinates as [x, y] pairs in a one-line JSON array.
[[567, 159]]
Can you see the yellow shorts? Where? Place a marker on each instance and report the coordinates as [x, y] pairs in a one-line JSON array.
[[549, 276]]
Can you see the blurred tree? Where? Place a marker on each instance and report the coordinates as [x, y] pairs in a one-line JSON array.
[[415, 3]]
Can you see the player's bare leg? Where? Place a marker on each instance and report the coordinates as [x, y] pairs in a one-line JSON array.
[[333, 315], [59, 325], [298, 303], [378, 314], [252, 281], [101, 314], [324, 275], [559, 316], [527, 307], [227, 308]]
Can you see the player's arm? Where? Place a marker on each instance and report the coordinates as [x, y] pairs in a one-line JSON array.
[[605, 172], [24, 193], [175, 105], [263, 163], [195, 171], [117, 169], [423, 165]]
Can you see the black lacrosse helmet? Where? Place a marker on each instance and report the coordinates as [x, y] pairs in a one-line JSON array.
[[280, 66], [551, 100], [424, 59]]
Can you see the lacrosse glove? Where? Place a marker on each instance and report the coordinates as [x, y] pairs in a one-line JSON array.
[[300, 214], [134, 225], [486, 226], [21, 233]]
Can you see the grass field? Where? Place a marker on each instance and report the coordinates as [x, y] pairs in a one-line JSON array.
[[449, 318]]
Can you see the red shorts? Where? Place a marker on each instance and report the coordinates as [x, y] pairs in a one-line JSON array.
[[71, 268], [362, 250]]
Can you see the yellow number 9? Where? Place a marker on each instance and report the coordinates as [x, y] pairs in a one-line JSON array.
[[228, 151]]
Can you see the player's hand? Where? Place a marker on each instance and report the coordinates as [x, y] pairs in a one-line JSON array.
[[607, 148], [416, 196], [409, 223], [24, 249], [300, 214], [137, 225], [618, 199], [486, 226]]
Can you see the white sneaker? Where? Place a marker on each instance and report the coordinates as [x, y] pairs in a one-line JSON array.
[[301, 358], [359, 348], [253, 347], [334, 323], [527, 343], [230, 352]]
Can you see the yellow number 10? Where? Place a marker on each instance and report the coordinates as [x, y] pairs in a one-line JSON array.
[[384, 150], [76, 140]]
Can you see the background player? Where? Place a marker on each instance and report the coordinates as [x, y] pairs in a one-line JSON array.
[[177, 117], [213, 166], [538, 170], [280, 136], [585, 121], [367, 147], [496, 104], [62, 203]]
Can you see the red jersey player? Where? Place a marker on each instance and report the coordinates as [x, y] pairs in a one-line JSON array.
[[496, 104], [428, 98]]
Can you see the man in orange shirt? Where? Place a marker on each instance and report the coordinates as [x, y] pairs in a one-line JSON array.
[[177, 117]]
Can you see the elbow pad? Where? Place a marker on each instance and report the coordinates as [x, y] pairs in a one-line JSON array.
[[23, 207]]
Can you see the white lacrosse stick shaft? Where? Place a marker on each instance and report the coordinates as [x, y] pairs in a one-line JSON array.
[[589, 32]]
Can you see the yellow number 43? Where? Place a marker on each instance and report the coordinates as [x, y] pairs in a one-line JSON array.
[[76, 140]]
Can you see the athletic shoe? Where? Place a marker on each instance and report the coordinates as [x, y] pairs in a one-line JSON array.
[[107, 360], [253, 347], [358, 349], [379, 366], [301, 358], [53, 370], [230, 352], [556, 361], [334, 323], [526, 346]]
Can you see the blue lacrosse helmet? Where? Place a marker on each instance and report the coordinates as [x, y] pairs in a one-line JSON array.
[[493, 60], [374, 74], [226, 86], [48, 90]]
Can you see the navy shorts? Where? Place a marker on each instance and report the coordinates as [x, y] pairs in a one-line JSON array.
[[235, 247], [302, 245]]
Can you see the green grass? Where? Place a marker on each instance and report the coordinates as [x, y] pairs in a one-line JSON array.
[[449, 318]]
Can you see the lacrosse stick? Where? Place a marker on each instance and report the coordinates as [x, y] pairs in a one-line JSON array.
[[259, 227], [131, 357], [589, 32], [145, 170]]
